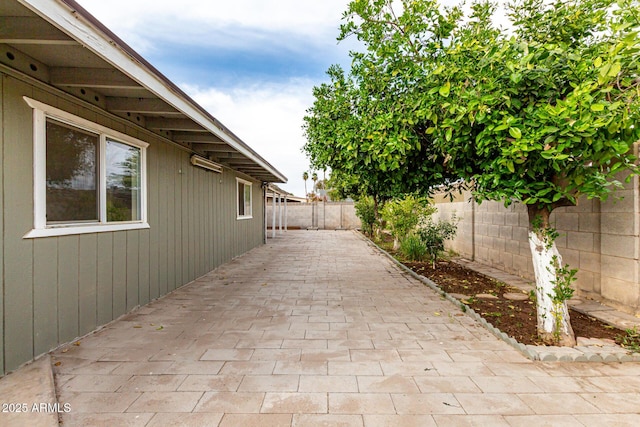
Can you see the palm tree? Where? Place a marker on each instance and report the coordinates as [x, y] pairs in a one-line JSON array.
[[314, 178], [305, 176]]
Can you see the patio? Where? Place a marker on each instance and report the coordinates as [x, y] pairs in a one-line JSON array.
[[320, 329]]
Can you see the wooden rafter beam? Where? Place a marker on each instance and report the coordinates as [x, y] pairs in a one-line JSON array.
[[214, 148], [159, 123], [91, 77], [31, 30], [196, 137], [139, 105], [238, 162]]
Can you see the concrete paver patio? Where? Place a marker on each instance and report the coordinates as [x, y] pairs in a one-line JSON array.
[[320, 329]]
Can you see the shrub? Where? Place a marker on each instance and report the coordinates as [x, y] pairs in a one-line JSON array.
[[433, 235], [413, 248], [404, 215], [366, 211]]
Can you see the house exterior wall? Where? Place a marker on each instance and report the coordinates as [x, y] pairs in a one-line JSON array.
[[600, 239], [55, 289], [324, 215]]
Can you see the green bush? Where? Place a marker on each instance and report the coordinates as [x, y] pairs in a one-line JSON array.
[[366, 211], [413, 248], [404, 215], [433, 235]]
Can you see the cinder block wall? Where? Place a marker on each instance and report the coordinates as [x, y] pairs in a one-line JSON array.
[[600, 239], [324, 215]]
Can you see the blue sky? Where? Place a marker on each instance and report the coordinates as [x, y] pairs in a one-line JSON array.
[[251, 63]]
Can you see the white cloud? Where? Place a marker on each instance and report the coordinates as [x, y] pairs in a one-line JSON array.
[[221, 23], [266, 117]]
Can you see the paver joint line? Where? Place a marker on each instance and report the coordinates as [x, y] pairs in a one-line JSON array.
[[544, 353], [238, 348]]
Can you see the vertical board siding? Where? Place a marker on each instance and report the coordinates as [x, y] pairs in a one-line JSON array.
[[144, 276], [87, 283], [152, 240], [68, 287], [45, 295], [167, 218], [2, 78], [191, 229], [132, 251], [119, 274], [18, 219], [182, 257], [104, 279], [163, 215], [58, 288]]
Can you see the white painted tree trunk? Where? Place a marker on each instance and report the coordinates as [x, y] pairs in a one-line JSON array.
[[554, 326]]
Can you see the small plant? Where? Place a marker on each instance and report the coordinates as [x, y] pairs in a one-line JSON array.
[[404, 215], [550, 234], [435, 234], [562, 291], [470, 300], [412, 248], [630, 341], [366, 211], [493, 314]]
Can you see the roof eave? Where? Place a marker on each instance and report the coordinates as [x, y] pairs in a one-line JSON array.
[[74, 20]]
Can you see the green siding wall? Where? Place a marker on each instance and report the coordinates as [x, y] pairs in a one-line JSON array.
[[1, 220], [58, 288]]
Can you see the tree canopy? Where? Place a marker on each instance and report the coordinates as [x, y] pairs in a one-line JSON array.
[[540, 114], [542, 111]]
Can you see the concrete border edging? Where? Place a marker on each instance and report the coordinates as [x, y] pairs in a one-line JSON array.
[[532, 352], [31, 395]]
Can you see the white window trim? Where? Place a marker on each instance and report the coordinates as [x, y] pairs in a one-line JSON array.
[[40, 227], [250, 184]]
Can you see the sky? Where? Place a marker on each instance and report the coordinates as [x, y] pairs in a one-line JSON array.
[[251, 63]]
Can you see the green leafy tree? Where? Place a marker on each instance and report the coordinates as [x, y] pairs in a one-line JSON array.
[[541, 114], [356, 129]]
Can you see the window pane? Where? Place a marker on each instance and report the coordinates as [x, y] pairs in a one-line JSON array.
[[247, 200], [123, 182], [240, 199], [72, 183]]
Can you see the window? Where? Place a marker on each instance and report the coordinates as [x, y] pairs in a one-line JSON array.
[[87, 178], [244, 199]]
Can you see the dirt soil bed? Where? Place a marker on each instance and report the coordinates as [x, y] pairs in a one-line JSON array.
[[513, 317]]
